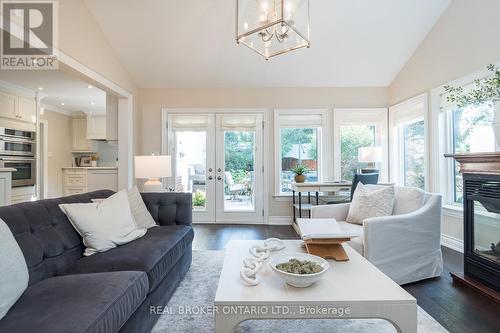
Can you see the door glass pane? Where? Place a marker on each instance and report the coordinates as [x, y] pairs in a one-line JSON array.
[[239, 175], [472, 132], [298, 146], [414, 158], [353, 137], [191, 165]]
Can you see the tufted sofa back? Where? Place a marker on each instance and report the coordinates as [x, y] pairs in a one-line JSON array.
[[170, 208], [47, 239]]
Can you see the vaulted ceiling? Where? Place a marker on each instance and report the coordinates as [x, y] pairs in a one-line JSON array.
[[190, 43]]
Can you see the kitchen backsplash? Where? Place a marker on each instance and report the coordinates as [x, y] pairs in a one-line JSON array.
[[108, 153]]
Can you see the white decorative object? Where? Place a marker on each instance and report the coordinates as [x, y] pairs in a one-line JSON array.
[[370, 155], [153, 168], [349, 290], [103, 225], [299, 280], [252, 265], [405, 247], [370, 201]]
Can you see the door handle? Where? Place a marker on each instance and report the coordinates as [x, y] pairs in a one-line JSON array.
[[210, 170], [210, 178], [219, 169], [219, 178]]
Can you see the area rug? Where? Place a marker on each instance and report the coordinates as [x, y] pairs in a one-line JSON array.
[[197, 292]]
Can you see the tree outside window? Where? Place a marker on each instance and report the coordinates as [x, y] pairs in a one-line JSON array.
[[353, 137]]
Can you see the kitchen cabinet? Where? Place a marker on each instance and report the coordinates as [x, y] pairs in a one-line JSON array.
[[23, 194], [82, 180], [17, 108], [5, 186], [96, 127], [80, 140], [26, 110]]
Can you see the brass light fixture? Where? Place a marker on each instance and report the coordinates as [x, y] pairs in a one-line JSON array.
[[272, 27]]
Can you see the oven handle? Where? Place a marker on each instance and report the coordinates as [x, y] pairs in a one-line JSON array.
[[17, 159], [17, 140]]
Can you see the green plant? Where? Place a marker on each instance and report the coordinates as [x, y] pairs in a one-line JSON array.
[[199, 198], [299, 169], [487, 90]]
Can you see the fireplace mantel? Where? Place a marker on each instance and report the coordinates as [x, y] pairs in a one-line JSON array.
[[478, 163]]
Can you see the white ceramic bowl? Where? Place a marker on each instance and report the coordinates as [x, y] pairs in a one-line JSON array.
[[299, 280]]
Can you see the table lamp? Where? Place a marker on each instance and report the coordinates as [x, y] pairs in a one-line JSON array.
[[370, 155], [152, 168]]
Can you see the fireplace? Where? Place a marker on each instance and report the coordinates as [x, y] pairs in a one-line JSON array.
[[481, 186], [482, 228]]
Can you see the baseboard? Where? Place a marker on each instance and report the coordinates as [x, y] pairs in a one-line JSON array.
[[280, 220], [452, 243]]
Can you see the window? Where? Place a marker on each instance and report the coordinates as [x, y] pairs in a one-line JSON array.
[[356, 128], [353, 137], [299, 134], [461, 130], [471, 132], [408, 142]]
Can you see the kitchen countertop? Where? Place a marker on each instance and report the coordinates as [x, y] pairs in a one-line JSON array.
[[7, 170], [94, 168]]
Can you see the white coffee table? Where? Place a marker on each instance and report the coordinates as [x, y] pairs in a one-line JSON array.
[[353, 289]]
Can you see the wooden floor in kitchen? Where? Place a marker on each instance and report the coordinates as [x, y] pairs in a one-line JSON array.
[[457, 308]]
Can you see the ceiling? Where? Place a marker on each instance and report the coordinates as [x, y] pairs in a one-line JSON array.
[[60, 87], [191, 43]]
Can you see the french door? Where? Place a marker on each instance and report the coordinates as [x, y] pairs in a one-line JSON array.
[[219, 159]]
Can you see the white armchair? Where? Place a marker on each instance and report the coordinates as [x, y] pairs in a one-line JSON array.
[[406, 247]]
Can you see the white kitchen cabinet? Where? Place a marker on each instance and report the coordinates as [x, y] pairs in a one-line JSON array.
[[82, 180], [80, 141], [23, 194], [26, 110], [111, 118], [5, 187], [96, 127], [8, 105]]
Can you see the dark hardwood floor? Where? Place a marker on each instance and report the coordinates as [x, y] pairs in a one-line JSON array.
[[457, 308]]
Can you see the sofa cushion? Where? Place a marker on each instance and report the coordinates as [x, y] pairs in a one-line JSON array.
[[155, 253], [407, 200], [47, 239], [14, 272], [104, 225], [100, 302], [370, 201]]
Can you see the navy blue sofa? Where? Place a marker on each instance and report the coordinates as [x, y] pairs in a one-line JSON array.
[[107, 292]]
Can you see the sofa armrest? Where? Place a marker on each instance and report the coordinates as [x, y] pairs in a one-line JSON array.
[[337, 211], [169, 208], [407, 235]]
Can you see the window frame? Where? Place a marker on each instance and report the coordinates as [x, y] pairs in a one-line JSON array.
[[322, 137], [441, 125], [407, 112], [361, 116]]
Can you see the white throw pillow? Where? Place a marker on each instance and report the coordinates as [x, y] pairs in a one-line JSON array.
[[142, 217], [407, 200], [14, 275], [370, 201], [104, 225]]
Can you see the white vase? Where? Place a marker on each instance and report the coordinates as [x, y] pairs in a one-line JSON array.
[[496, 123]]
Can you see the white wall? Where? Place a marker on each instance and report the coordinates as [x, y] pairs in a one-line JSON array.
[[463, 41], [59, 149], [153, 100]]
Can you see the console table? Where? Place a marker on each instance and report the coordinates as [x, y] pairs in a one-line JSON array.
[[315, 188]]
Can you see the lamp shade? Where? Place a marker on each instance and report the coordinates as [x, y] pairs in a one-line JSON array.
[[370, 154], [154, 166]]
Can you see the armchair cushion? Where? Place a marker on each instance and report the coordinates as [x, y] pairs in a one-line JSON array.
[[370, 201], [407, 200]]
